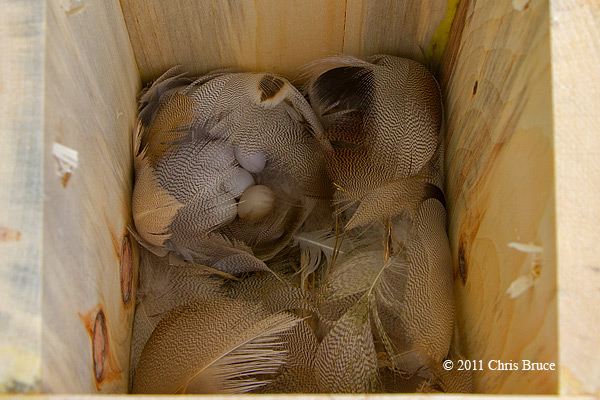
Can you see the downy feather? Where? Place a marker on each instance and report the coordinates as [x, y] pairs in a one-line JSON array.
[[334, 243], [312, 246], [346, 361], [162, 288], [298, 373], [216, 346], [403, 289]]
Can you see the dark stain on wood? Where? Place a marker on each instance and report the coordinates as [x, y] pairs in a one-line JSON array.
[[75, 10], [99, 343], [468, 234], [9, 235], [462, 262], [454, 39], [64, 179], [126, 269], [124, 253], [104, 363], [475, 88]]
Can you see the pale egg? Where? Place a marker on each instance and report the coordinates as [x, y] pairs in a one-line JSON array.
[[254, 163], [239, 181], [256, 202]]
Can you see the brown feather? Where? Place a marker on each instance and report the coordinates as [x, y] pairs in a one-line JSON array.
[[217, 346], [383, 119]]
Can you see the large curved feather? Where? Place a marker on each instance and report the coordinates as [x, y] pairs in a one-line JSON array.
[[216, 346]]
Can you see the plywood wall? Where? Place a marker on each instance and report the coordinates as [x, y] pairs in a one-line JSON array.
[[274, 35], [575, 26], [90, 111], [21, 196], [500, 190]]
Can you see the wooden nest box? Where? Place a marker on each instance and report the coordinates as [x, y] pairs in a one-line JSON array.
[[521, 167]]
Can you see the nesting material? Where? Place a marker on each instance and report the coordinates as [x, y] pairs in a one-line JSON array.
[[338, 246], [201, 144]]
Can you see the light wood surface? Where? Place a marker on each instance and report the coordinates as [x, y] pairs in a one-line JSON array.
[[575, 28], [274, 35], [402, 28], [500, 191], [21, 196], [263, 35], [90, 108]]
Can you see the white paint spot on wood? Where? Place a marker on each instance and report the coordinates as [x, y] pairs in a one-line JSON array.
[[520, 285], [72, 7], [520, 5], [525, 282], [526, 247], [67, 160]]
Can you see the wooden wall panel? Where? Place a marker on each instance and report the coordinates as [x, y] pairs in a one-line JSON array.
[[575, 28], [403, 28], [21, 196], [274, 35], [90, 109], [500, 190]]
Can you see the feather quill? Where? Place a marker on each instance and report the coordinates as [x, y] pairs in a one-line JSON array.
[[162, 288], [223, 346], [298, 373]]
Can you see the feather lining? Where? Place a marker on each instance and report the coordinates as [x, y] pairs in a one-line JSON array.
[[225, 346], [154, 209]]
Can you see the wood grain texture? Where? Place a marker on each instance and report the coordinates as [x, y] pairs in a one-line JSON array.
[[274, 35], [500, 190], [269, 35], [21, 197], [402, 28], [576, 94], [90, 107]]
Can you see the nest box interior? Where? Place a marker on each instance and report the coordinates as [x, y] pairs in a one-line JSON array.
[[492, 60]]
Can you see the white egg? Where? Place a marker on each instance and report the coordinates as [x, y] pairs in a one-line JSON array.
[[256, 202], [240, 180], [254, 163]]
